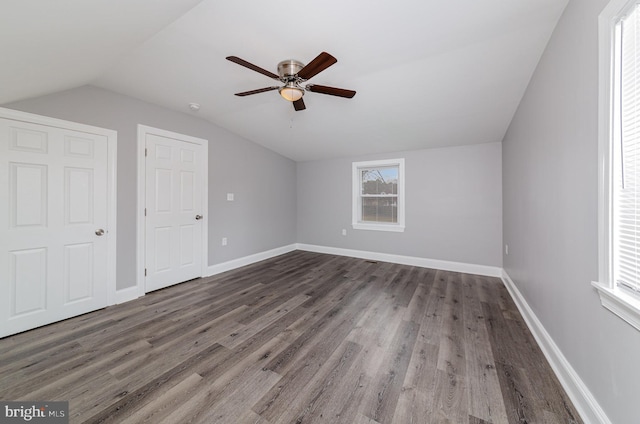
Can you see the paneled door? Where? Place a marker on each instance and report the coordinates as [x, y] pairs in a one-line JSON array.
[[174, 210], [53, 224]]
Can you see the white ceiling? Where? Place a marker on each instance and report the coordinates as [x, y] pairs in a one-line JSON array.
[[427, 73]]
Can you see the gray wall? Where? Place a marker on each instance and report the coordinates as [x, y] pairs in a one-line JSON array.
[[550, 170], [453, 205], [263, 215]]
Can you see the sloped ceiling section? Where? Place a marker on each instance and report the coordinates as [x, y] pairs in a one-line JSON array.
[[427, 73], [52, 45]]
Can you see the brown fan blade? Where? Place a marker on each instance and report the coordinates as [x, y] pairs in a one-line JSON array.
[[333, 91], [317, 65], [299, 104], [259, 90], [253, 67]]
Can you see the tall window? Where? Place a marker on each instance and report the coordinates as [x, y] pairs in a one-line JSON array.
[[378, 195], [626, 154], [619, 160]]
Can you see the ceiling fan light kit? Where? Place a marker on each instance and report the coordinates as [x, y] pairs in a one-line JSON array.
[[291, 92], [293, 74]]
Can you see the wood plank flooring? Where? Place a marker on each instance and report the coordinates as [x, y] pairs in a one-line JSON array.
[[301, 338]]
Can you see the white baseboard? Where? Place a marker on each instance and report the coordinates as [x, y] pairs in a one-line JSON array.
[[248, 260], [583, 400], [490, 271], [130, 293]]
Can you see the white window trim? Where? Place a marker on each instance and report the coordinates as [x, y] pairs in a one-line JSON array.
[[614, 299], [355, 215]]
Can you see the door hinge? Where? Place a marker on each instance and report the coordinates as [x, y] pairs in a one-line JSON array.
[[145, 272], [145, 151], [145, 211]]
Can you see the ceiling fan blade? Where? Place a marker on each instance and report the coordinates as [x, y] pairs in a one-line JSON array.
[[259, 90], [332, 91], [253, 67], [317, 65], [299, 105]]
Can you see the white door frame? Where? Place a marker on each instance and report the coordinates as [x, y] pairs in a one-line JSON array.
[[112, 137], [143, 130]]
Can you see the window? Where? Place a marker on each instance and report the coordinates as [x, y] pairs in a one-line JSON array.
[[378, 195], [619, 160]]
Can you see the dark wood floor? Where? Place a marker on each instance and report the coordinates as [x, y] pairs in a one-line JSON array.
[[300, 338]]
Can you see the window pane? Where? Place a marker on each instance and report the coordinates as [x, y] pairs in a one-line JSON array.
[[626, 153], [378, 195], [380, 209], [383, 180]]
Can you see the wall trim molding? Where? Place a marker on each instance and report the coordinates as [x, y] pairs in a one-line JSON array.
[[248, 260], [489, 271], [127, 294], [580, 395], [485, 270]]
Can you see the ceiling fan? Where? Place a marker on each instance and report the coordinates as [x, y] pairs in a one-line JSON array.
[[293, 74]]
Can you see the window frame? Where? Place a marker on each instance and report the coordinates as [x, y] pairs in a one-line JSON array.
[[615, 299], [356, 183]]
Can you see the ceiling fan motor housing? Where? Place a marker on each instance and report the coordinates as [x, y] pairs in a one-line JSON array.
[[289, 68]]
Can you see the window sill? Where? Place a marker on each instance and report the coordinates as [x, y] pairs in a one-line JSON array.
[[379, 227], [625, 306]]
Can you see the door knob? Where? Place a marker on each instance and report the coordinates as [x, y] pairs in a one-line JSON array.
[[99, 232], [198, 217]]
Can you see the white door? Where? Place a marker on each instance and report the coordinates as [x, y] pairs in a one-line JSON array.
[[53, 219], [174, 211]]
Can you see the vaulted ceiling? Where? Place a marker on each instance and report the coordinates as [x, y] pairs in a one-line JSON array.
[[428, 73]]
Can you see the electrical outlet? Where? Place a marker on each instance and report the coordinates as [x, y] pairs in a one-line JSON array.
[[224, 241], [344, 232], [230, 197], [506, 249]]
